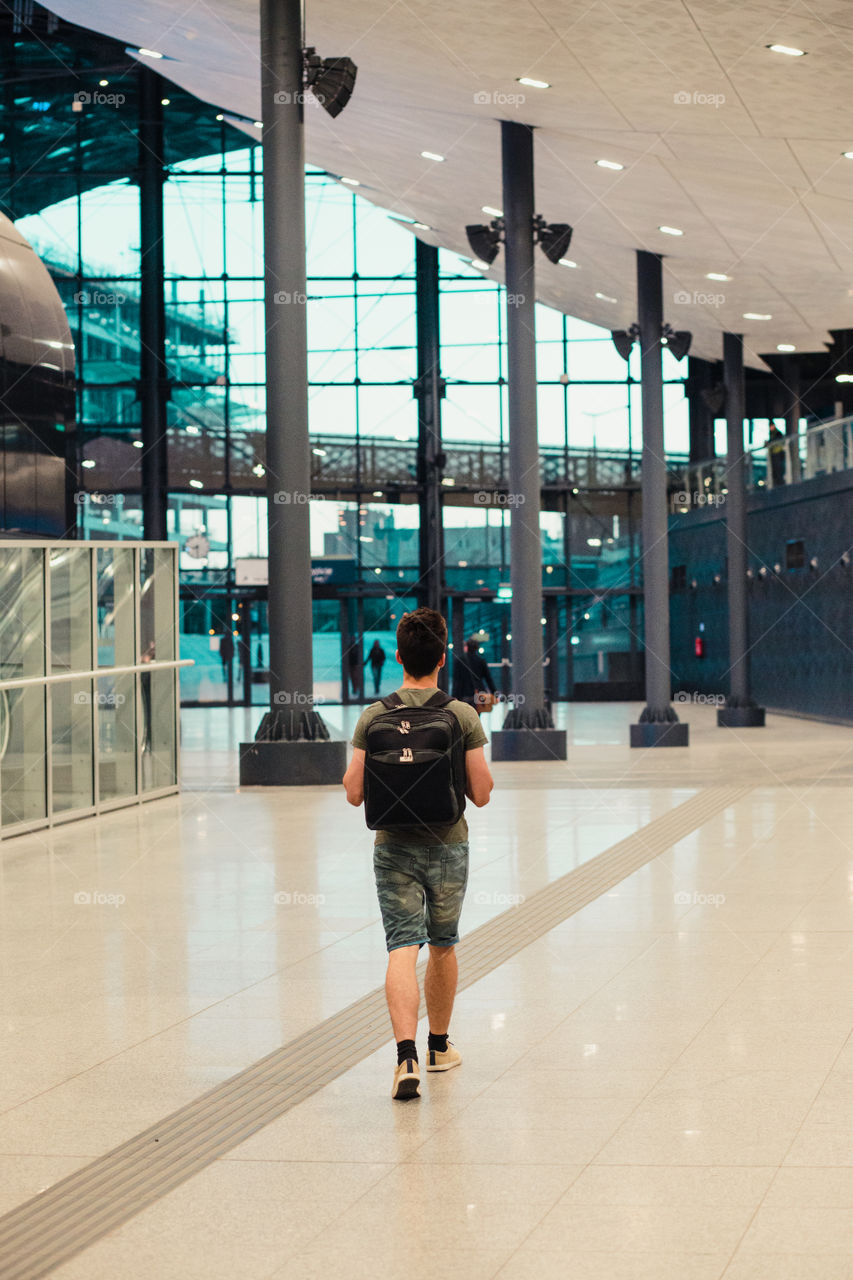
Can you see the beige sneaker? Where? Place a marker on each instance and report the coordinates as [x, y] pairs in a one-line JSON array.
[[443, 1061], [407, 1081]]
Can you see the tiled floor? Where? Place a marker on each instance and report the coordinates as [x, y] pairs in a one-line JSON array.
[[662, 1086]]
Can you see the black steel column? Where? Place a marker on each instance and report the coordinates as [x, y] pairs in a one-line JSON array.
[[292, 743], [740, 711], [659, 725], [429, 389], [528, 731], [700, 377], [153, 375], [791, 370]]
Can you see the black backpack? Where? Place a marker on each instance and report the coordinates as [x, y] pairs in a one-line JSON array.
[[414, 767]]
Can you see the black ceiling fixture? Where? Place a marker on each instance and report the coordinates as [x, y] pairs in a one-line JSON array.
[[553, 238], [624, 339], [677, 340], [331, 80], [485, 239]]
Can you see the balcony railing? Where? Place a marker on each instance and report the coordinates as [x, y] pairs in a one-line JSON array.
[[823, 449]]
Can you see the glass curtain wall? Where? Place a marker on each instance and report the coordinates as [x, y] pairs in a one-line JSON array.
[[363, 421]]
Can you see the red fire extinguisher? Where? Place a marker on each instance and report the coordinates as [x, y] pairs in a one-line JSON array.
[[699, 646]]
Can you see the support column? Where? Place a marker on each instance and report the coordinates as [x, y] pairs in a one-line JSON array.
[[153, 374], [292, 744], [700, 419], [659, 725], [528, 731], [792, 415], [429, 389], [741, 711]]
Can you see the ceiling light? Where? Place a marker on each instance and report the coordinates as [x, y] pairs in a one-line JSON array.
[[432, 155], [493, 213], [331, 80], [351, 182], [785, 346], [165, 102], [716, 275], [609, 164], [839, 377], [148, 53], [196, 484], [755, 315], [533, 84], [788, 49], [138, 444], [220, 116], [606, 297], [677, 341], [848, 155], [671, 231], [103, 83], [259, 124], [422, 226], [567, 262], [88, 463], [481, 266]]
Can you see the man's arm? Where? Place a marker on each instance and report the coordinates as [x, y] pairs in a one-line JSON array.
[[354, 777], [478, 775]]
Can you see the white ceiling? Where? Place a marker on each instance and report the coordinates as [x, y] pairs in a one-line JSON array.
[[755, 178]]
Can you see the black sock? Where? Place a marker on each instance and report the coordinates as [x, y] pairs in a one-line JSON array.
[[406, 1049], [438, 1043]]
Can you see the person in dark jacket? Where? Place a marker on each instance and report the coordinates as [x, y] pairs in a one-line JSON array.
[[471, 675], [376, 658]]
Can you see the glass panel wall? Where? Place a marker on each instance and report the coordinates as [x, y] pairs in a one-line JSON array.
[[23, 774]]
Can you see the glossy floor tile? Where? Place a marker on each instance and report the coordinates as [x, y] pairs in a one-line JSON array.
[[660, 1086]]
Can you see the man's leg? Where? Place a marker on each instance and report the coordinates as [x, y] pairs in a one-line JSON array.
[[401, 992], [440, 987]]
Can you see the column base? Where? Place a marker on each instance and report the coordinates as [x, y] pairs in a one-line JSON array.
[[669, 733], [740, 717], [302, 763], [528, 744]]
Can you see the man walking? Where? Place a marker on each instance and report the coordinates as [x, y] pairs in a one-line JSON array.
[[421, 867]]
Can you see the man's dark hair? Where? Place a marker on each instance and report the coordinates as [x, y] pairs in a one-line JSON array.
[[421, 640]]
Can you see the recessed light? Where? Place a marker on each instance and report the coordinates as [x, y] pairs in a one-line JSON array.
[[432, 155], [259, 124], [165, 102], [103, 83], [609, 164], [533, 84], [495, 213], [149, 53], [606, 297], [785, 346], [351, 182], [839, 377], [422, 226], [756, 315], [567, 262], [848, 155], [196, 484], [220, 117], [481, 266], [716, 275], [788, 49], [671, 231]]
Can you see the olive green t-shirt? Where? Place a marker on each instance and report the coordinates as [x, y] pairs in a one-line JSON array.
[[473, 736]]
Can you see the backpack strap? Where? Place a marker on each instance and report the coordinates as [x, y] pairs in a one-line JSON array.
[[438, 699], [392, 702]]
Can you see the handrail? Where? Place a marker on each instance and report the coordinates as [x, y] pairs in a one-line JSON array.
[[167, 663]]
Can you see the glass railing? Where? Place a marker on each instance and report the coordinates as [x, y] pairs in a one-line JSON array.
[[88, 678]]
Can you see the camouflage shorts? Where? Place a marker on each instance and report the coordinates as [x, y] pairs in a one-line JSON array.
[[421, 888]]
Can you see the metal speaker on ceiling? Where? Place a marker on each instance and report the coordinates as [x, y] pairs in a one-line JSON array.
[[331, 80], [677, 340], [715, 398], [485, 239], [624, 339], [554, 239]]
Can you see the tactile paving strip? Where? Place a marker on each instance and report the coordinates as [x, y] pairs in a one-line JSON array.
[[46, 1231]]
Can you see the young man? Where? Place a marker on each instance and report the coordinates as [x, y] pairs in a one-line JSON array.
[[421, 873]]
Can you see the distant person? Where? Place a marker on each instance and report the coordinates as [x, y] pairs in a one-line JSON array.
[[376, 658], [471, 676], [416, 755], [226, 652], [354, 667], [776, 449]]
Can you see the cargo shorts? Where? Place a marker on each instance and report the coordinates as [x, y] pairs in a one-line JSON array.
[[421, 888]]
